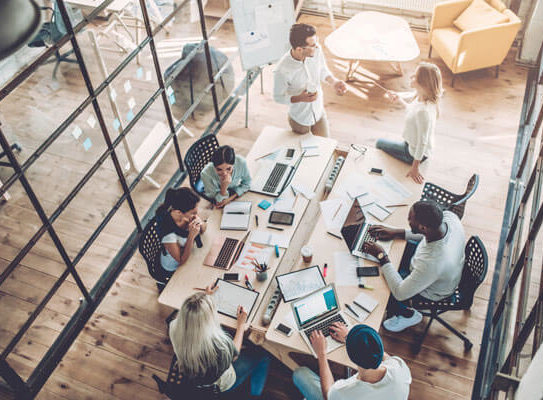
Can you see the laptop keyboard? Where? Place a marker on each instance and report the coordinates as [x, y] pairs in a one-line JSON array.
[[324, 326], [275, 177], [368, 237], [227, 249]]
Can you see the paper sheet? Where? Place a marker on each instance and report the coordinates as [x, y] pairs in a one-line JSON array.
[[363, 305], [390, 190], [229, 296], [256, 251], [270, 239], [304, 191], [345, 268], [334, 212]]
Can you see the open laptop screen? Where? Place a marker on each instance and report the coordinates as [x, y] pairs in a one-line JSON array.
[[353, 224], [315, 305]]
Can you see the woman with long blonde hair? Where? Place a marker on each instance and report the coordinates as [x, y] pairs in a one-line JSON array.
[[206, 355], [420, 120]]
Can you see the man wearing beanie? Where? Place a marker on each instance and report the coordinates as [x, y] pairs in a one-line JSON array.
[[379, 377]]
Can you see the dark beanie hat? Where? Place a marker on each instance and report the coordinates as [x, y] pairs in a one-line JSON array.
[[364, 347]]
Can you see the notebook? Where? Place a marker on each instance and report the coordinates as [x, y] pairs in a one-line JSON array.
[[363, 305], [236, 216], [310, 145]]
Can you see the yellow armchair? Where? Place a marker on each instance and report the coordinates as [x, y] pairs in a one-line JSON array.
[[471, 49]]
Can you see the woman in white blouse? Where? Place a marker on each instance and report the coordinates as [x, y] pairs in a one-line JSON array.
[[420, 120]]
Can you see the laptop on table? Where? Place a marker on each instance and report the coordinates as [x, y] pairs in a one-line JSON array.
[[355, 232], [273, 178], [318, 311], [225, 251]]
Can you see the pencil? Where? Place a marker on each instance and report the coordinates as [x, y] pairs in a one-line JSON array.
[[276, 228], [295, 200], [199, 288], [339, 207], [333, 234], [397, 205]]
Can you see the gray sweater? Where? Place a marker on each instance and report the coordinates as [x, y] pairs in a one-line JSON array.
[[436, 267]]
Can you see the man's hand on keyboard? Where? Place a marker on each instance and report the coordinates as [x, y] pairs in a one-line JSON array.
[[372, 248], [381, 232], [339, 331], [318, 341]]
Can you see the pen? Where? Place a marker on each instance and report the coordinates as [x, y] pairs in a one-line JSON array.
[[339, 207], [276, 228], [351, 310], [256, 219], [361, 306], [333, 234], [276, 251], [247, 283], [325, 269], [397, 205]]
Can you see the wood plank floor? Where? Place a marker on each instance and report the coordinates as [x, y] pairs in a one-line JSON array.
[[125, 342]]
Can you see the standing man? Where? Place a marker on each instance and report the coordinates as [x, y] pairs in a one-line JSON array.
[[297, 82]]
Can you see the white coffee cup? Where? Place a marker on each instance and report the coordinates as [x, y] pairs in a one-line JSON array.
[[307, 254]]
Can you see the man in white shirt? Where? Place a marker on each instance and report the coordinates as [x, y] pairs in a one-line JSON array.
[[429, 270], [379, 376], [297, 82]]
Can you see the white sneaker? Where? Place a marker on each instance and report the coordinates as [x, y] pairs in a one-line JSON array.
[[399, 323]]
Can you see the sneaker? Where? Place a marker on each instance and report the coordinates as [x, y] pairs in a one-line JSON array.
[[399, 323]]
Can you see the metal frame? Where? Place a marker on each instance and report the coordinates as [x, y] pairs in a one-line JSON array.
[[508, 322], [92, 298]]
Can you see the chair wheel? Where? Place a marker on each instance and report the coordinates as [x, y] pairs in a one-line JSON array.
[[468, 345]]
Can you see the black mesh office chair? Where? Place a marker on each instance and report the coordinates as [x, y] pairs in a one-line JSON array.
[[196, 158], [448, 200], [473, 274], [150, 248], [177, 389]]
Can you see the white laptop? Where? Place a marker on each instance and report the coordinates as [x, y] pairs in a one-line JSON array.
[[274, 176], [355, 232], [317, 311]]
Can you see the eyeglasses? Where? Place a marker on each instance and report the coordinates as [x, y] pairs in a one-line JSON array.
[[359, 149]]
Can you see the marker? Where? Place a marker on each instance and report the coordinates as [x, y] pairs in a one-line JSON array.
[[334, 235], [351, 310], [256, 219], [325, 269], [276, 251], [247, 283], [274, 227]]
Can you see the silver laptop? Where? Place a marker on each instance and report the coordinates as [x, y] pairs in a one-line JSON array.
[[317, 311], [355, 232], [273, 178]]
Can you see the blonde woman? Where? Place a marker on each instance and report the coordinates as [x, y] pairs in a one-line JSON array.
[[420, 120], [207, 355]]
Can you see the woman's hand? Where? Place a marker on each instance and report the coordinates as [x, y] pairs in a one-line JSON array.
[[415, 174], [194, 227], [211, 289], [241, 318], [392, 96], [221, 204], [225, 181]]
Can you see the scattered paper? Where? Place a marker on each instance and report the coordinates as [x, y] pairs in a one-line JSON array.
[[127, 86], [284, 204], [87, 144], [363, 305], [289, 320], [390, 189], [310, 145], [254, 251], [76, 132], [334, 212], [270, 239], [378, 211], [345, 268], [300, 188], [91, 121]]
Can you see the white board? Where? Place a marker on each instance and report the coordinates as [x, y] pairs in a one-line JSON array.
[[262, 30]]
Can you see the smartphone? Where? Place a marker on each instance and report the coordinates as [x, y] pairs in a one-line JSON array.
[[285, 330], [282, 218], [377, 171], [234, 276], [290, 153], [367, 271]]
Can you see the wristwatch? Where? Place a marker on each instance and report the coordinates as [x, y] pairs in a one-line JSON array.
[[383, 258]]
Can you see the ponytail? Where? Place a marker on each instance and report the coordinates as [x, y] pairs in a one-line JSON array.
[[183, 199]]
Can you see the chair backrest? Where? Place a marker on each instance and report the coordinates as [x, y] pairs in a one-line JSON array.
[[150, 248], [441, 196], [458, 207], [176, 388], [475, 269], [197, 157]]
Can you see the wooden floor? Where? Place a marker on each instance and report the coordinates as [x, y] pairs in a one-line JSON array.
[[125, 342]]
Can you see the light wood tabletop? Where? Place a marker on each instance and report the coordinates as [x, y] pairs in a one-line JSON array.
[[194, 274], [324, 246]]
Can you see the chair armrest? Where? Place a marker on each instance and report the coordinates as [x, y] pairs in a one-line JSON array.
[[445, 13]]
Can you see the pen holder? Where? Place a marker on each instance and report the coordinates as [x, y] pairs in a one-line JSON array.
[[261, 276]]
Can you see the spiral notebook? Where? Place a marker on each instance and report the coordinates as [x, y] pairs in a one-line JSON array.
[[236, 216]]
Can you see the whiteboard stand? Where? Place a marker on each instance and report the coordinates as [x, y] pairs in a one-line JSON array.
[[248, 76]]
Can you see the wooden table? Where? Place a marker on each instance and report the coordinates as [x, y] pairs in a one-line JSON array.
[[373, 36], [324, 246], [194, 274]]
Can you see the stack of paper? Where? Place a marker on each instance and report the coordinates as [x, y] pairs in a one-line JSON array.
[[310, 145], [345, 266], [236, 216], [363, 305], [270, 239], [254, 251], [334, 212]]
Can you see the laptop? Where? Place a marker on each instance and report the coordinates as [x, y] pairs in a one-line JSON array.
[[273, 178], [355, 232], [317, 311], [225, 251]]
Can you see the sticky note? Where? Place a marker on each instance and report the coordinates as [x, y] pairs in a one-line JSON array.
[[169, 90], [77, 131], [91, 121], [139, 73], [87, 144], [127, 86], [116, 124], [129, 115], [171, 99], [131, 102], [264, 204], [113, 94], [147, 75]]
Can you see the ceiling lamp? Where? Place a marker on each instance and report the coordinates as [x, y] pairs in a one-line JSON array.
[[20, 21]]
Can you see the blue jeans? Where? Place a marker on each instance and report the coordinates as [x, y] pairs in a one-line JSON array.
[[253, 362], [398, 150], [308, 383]]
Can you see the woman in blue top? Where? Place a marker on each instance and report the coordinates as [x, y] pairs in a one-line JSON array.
[[226, 177], [179, 226]]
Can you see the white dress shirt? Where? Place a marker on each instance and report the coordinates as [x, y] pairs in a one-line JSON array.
[[292, 77], [420, 124]]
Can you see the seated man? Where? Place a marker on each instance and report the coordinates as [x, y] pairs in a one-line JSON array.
[[430, 269], [379, 376]]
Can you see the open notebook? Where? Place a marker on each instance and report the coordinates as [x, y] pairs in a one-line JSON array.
[[236, 216]]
